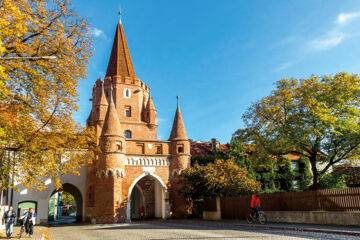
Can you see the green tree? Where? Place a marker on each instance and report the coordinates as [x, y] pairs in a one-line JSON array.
[[205, 160], [38, 98], [329, 181], [238, 153], [316, 118], [285, 174], [303, 174]]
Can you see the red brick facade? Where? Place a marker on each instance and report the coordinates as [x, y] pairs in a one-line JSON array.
[[125, 120]]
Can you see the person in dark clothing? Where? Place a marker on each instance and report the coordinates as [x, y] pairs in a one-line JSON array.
[[29, 219], [9, 220]]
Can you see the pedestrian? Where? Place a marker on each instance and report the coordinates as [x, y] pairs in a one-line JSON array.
[[29, 219], [142, 212], [9, 220]]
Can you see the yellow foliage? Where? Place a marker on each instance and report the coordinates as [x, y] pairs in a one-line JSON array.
[[37, 127]]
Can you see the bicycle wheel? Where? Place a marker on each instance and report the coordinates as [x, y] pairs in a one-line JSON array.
[[262, 218], [21, 231], [249, 219]]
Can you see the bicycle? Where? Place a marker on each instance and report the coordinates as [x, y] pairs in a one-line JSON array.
[[22, 228], [261, 218]]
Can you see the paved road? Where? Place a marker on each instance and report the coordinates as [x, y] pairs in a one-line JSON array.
[[169, 230]]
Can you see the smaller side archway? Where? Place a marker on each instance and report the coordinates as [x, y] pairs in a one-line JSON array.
[[24, 206], [58, 205]]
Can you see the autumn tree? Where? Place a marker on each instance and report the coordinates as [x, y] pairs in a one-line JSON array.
[[315, 118], [223, 178], [39, 137]]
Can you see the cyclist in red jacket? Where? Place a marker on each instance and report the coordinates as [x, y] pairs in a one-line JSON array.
[[255, 206]]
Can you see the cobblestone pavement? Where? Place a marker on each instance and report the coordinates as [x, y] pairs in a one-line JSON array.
[[39, 233], [169, 230]]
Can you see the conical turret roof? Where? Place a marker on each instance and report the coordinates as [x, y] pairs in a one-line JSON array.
[[178, 131], [111, 124], [120, 60], [103, 100], [150, 104]]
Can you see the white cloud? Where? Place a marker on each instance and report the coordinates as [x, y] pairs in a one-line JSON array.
[[96, 32], [344, 18], [283, 66], [322, 44]]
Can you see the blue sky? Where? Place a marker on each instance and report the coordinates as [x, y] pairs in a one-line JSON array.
[[220, 56]]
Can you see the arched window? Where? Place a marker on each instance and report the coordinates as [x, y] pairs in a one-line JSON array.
[[127, 134], [127, 93]]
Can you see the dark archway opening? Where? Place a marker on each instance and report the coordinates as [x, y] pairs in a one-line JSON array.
[[65, 205], [137, 204], [147, 197]]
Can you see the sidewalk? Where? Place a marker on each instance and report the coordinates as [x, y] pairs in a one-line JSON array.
[[40, 233], [351, 231], [343, 230]]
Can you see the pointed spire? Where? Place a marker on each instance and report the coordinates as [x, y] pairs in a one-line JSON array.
[[103, 100], [120, 60], [150, 104], [112, 125], [178, 131], [111, 93]]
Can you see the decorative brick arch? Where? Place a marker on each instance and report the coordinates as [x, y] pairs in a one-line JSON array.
[[165, 198]]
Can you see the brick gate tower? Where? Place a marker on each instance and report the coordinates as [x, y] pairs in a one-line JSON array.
[[134, 170]]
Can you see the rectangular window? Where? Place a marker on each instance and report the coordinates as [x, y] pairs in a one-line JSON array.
[[140, 148], [127, 111], [180, 148], [158, 149]]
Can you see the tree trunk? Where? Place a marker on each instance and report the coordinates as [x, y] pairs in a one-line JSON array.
[[315, 173]]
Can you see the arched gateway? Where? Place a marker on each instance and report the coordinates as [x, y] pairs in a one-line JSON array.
[[149, 191], [134, 168]]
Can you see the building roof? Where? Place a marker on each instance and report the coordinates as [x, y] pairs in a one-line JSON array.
[[103, 100], [111, 124], [178, 131], [120, 60], [203, 149], [150, 104]]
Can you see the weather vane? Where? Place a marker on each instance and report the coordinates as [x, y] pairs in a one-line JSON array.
[[119, 15]]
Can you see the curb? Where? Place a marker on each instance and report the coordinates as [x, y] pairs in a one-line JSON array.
[[357, 234]]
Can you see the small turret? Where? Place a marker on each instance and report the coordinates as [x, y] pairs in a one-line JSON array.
[[100, 108], [151, 113], [180, 145], [110, 168], [112, 136]]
